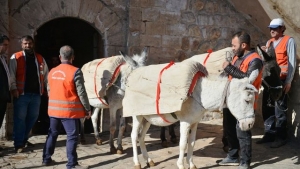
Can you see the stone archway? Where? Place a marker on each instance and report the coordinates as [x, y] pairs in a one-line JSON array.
[[82, 37], [27, 17]]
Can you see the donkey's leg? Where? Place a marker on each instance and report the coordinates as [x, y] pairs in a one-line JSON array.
[[184, 131], [121, 133], [191, 144], [136, 124], [112, 128], [82, 138], [164, 142], [94, 121], [172, 133], [145, 128]]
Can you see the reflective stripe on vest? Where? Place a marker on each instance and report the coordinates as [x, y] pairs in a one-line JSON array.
[[244, 68], [281, 55], [64, 101], [21, 69]]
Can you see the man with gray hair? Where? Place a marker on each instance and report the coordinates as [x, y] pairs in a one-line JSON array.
[[68, 102]]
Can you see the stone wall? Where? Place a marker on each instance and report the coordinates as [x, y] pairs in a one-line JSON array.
[[181, 29]]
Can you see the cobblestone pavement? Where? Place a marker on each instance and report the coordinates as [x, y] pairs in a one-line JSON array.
[[208, 149]]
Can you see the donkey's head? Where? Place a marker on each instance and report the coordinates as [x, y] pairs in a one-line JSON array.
[[131, 63], [240, 101], [271, 72]]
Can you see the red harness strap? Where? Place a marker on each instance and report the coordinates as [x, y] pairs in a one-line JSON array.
[[158, 90], [198, 74], [95, 85], [207, 56], [194, 81], [115, 74]]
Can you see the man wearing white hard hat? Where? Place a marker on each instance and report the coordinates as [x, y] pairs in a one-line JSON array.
[[275, 117]]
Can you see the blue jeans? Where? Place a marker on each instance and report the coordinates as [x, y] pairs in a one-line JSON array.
[[72, 129], [275, 118], [26, 112]]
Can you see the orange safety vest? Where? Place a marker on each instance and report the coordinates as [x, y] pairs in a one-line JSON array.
[[64, 101], [281, 55], [244, 68], [21, 69]]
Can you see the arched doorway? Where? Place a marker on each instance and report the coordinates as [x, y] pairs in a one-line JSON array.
[[82, 37]]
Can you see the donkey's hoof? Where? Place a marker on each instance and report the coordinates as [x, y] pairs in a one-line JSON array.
[[151, 164], [82, 141], [138, 166], [119, 150], [113, 150], [174, 140], [194, 167], [99, 142], [164, 144]]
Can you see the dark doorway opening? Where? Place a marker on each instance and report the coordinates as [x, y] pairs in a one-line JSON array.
[[82, 37]]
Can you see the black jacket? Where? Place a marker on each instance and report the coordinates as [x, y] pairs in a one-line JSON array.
[[235, 72], [4, 88]]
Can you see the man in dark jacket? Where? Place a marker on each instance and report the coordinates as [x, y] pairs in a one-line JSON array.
[[243, 64], [4, 77]]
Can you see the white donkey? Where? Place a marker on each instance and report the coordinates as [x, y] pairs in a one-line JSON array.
[[114, 95], [207, 96]]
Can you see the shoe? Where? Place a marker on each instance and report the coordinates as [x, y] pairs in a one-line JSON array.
[[28, 144], [19, 149], [244, 166], [80, 167], [278, 143], [50, 163], [228, 161], [265, 139]]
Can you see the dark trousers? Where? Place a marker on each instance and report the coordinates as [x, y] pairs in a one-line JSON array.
[[3, 106], [236, 138], [72, 127], [275, 115]]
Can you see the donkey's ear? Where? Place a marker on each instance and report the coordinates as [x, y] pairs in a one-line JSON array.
[[262, 53], [144, 53], [253, 76], [271, 51], [128, 60]]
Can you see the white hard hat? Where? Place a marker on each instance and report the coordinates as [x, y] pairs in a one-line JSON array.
[[275, 23]]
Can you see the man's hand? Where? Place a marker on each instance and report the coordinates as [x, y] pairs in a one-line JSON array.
[[15, 93], [89, 114], [264, 48], [287, 87], [225, 64]]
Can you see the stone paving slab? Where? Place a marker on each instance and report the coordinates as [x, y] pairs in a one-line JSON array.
[[208, 149]]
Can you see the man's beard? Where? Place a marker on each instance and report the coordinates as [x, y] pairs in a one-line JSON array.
[[240, 52], [29, 51]]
